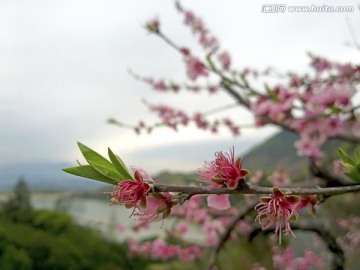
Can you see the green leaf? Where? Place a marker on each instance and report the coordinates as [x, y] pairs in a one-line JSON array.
[[358, 167], [345, 157], [88, 171], [119, 164], [354, 176], [348, 166], [357, 154], [92, 157], [110, 173], [101, 164], [226, 82], [335, 110], [210, 62]]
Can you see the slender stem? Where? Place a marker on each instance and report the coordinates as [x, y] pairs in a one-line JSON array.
[[225, 235], [249, 189], [220, 109], [338, 260], [168, 41], [352, 33]]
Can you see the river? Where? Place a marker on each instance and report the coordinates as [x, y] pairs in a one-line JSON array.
[[110, 220]]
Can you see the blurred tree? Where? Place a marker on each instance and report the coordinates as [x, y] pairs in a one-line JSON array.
[[20, 200]]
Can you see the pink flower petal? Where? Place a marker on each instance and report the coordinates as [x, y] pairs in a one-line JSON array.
[[219, 202], [142, 172]]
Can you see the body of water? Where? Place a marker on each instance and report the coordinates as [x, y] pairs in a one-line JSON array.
[[113, 221]]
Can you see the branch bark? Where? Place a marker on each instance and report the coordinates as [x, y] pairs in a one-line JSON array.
[[225, 235], [338, 261], [249, 189]]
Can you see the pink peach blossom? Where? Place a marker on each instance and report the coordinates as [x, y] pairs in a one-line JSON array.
[[276, 209], [195, 68], [224, 170], [225, 60], [279, 177], [131, 193], [158, 208], [219, 202]]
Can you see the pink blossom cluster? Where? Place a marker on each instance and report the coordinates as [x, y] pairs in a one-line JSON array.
[[206, 40], [173, 118], [314, 133], [321, 64], [212, 229], [225, 60], [204, 124], [350, 238], [195, 68], [279, 177], [198, 28], [162, 86], [211, 223], [343, 71], [192, 210], [277, 104], [323, 102], [256, 177], [170, 116], [159, 249], [285, 259], [135, 194]]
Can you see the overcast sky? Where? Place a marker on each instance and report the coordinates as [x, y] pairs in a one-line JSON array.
[[63, 72]]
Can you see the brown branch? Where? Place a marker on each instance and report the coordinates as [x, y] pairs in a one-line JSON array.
[[352, 33], [226, 82], [249, 189], [225, 235], [348, 137], [338, 261], [332, 180]]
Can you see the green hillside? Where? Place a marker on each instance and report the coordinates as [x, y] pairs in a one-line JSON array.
[[45, 239], [176, 178], [279, 149]]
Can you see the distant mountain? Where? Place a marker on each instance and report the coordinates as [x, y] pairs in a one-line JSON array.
[[277, 150], [280, 150], [44, 176]]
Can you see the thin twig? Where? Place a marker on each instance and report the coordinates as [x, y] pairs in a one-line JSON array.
[[249, 189], [338, 261], [331, 179], [225, 235]]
